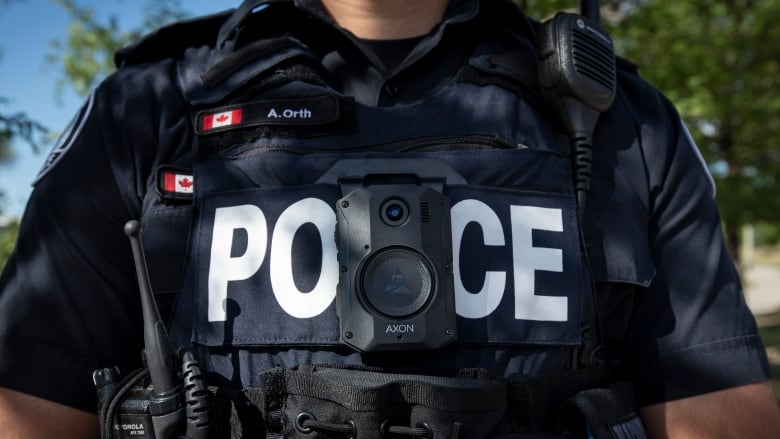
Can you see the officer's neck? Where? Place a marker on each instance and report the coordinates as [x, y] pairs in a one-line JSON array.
[[387, 19]]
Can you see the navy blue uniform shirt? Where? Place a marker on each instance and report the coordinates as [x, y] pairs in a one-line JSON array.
[[669, 298]]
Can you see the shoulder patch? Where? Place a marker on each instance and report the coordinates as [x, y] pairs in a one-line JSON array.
[[67, 138]]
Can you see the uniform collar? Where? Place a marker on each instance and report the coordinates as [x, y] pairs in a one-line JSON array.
[[458, 11]]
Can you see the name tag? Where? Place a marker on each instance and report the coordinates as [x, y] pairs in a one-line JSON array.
[[300, 112]]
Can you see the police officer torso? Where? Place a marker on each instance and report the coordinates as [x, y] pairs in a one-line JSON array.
[[305, 156]]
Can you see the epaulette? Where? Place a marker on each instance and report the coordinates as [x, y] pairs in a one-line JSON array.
[[173, 39]]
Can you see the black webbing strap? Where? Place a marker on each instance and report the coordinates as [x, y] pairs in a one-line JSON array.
[[458, 406], [236, 414], [237, 18], [235, 60]]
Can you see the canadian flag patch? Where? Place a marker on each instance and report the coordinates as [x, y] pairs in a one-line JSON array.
[[222, 119], [174, 183], [181, 183]]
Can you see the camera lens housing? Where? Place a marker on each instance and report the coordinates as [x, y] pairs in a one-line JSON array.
[[395, 288], [394, 212]]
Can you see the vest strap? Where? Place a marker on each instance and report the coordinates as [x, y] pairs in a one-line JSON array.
[[294, 403], [234, 22]]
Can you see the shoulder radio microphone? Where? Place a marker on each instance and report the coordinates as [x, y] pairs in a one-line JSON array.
[[577, 73]]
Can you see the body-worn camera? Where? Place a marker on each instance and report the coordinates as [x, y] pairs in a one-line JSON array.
[[394, 239]]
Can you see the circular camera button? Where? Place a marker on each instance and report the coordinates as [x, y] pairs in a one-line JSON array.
[[397, 282]]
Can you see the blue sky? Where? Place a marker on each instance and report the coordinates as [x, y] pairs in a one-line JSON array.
[[27, 28]]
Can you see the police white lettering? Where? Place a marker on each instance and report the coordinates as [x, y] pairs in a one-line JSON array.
[[223, 267], [294, 302], [399, 329], [483, 303], [527, 259]]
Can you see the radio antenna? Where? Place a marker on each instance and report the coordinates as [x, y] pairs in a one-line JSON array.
[[165, 406], [156, 345]]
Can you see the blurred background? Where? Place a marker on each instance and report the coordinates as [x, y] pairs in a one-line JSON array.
[[717, 60]]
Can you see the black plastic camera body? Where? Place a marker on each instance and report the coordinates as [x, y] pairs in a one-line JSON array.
[[394, 239]]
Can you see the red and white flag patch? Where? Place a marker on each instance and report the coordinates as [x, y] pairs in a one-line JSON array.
[[221, 119], [174, 183], [181, 183]]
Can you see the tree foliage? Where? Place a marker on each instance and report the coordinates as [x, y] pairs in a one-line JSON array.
[[82, 60], [717, 61], [13, 125], [8, 232], [87, 54], [16, 124]]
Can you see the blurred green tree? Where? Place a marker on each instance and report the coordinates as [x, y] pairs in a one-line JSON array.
[[8, 231], [87, 54], [82, 60], [718, 61], [16, 124], [13, 125]]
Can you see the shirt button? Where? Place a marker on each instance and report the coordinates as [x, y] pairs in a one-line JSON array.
[[391, 90]]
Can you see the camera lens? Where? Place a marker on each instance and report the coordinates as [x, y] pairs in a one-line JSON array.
[[394, 212]]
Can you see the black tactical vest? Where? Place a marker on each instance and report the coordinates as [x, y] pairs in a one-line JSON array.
[[279, 157]]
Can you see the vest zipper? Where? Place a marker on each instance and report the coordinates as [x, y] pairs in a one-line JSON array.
[[435, 143]]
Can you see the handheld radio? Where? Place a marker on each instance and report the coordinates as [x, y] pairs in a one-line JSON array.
[[163, 400]]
